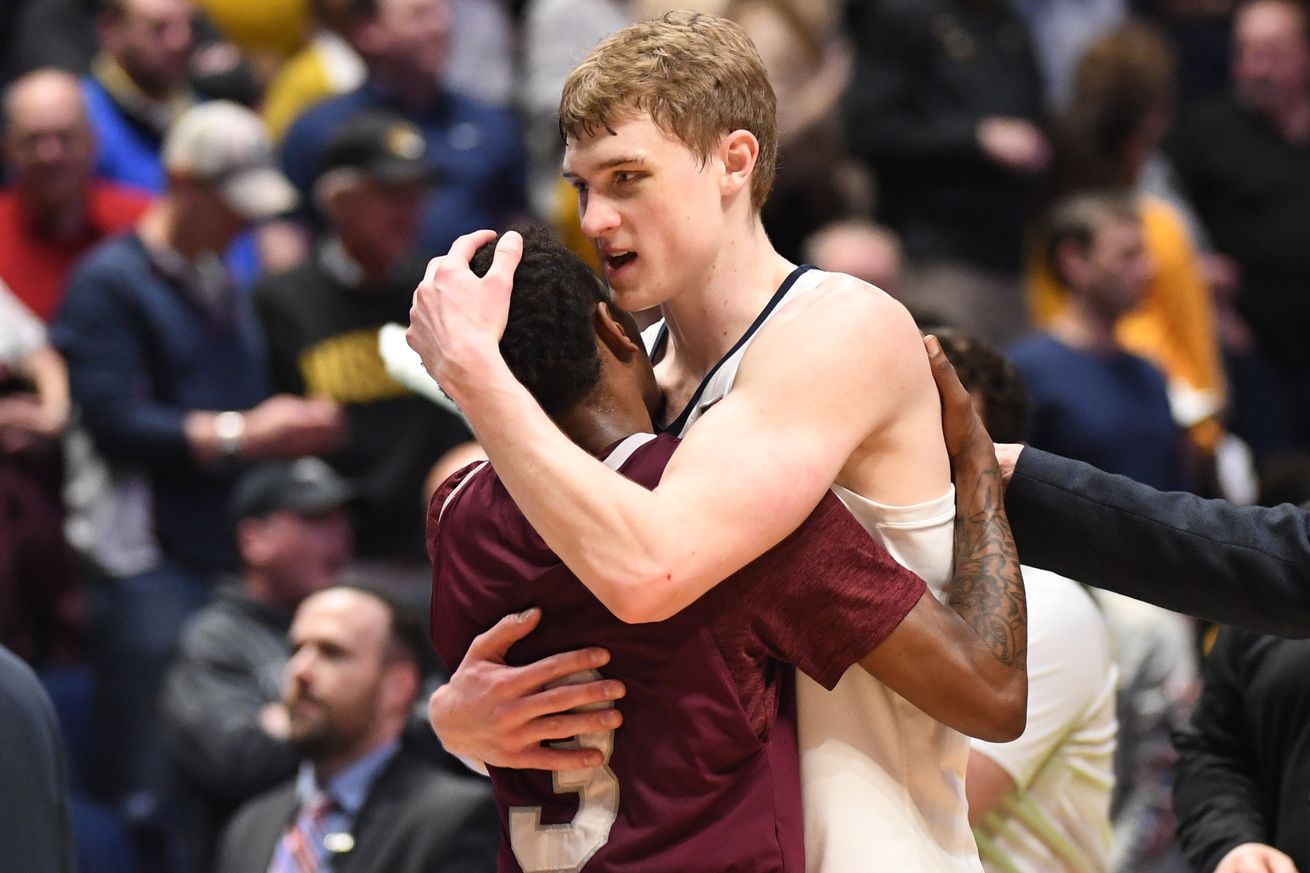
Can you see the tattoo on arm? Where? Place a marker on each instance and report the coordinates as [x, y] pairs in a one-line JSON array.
[[987, 588]]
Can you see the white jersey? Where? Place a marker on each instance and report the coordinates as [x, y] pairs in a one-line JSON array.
[[882, 783], [1058, 816]]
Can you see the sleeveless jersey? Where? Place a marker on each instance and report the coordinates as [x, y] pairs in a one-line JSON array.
[[883, 783], [704, 773]]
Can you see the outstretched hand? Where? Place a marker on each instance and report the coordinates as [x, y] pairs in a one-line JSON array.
[[501, 715], [457, 317]]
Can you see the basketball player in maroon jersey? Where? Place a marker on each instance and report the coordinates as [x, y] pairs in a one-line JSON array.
[[705, 775]]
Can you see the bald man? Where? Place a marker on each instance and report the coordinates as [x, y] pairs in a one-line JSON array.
[[53, 210], [361, 802]]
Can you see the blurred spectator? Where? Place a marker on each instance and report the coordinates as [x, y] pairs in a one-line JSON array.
[[54, 210], [221, 707], [482, 62], [1093, 400], [327, 64], [50, 33], [1061, 31], [1199, 31], [1109, 140], [475, 149], [41, 609], [946, 107], [1156, 650], [35, 825], [557, 34], [858, 248], [164, 364], [361, 794], [266, 32], [321, 321], [1243, 774], [1244, 160], [138, 86], [1042, 802], [809, 63]]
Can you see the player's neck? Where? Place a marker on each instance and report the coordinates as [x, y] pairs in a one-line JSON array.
[[706, 321], [1079, 326], [602, 419]]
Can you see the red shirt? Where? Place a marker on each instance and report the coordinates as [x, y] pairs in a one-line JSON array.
[[704, 773], [34, 266]]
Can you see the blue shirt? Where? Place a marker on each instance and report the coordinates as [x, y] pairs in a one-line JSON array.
[[129, 150], [1109, 410], [476, 150], [143, 350], [349, 789]]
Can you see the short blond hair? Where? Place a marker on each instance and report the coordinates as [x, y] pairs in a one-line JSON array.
[[698, 77]]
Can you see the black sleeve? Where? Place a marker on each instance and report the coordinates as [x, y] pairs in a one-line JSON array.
[[1217, 801], [885, 120], [209, 716], [1242, 565], [284, 376]]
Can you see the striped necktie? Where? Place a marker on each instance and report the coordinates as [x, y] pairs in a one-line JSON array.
[[301, 849]]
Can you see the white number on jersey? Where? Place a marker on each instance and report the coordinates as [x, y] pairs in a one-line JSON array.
[[565, 848]]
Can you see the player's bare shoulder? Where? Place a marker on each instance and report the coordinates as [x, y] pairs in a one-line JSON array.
[[843, 326]]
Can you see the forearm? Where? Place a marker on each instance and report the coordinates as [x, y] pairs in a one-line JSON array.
[[50, 376], [987, 586], [1248, 566], [606, 529]]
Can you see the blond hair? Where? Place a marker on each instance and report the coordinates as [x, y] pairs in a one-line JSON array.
[[698, 77]]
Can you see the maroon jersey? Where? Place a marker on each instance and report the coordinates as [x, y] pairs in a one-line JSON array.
[[704, 773]]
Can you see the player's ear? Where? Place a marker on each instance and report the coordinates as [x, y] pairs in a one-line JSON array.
[[738, 151], [614, 333]]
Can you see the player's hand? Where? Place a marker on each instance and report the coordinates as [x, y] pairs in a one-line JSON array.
[[457, 318], [501, 715], [1007, 455], [1255, 858], [967, 441]]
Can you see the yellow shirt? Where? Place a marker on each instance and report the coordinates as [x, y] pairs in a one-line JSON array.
[[324, 68], [261, 27]]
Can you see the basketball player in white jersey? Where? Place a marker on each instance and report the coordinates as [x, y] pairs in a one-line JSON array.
[[796, 381]]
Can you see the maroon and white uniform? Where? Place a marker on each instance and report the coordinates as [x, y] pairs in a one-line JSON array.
[[704, 773]]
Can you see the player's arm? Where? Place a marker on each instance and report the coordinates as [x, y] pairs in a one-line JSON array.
[[965, 663], [944, 667], [745, 477]]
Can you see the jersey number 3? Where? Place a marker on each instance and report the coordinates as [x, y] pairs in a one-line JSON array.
[[564, 848]]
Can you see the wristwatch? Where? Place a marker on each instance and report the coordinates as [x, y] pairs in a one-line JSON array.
[[229, 433]]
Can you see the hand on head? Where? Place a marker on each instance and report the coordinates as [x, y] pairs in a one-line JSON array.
[[457, 318]]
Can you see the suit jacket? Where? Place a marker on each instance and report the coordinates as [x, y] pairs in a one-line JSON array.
[[1242, 565], [415, 819]]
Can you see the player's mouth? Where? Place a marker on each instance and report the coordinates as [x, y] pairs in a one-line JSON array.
[[616, 262]]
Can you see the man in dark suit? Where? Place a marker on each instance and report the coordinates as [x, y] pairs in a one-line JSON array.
[[361, 803], [1242, 565]]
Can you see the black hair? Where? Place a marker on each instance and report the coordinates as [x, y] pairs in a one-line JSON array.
[[988, 374], [550, 338]]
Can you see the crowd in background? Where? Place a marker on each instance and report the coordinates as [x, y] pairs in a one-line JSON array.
[[211, 208]]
